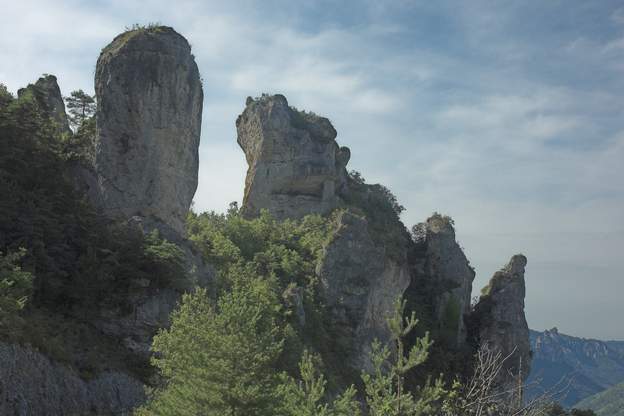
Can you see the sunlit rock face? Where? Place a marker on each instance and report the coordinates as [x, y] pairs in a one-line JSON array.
[[149, 111], [295, 165]]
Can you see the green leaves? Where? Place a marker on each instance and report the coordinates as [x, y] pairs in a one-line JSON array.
[[15, 284], [219, 360], [306, 397], [80, 106], [386, 394]]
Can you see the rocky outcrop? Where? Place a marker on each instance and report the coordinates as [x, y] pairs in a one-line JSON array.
[[149, 110], [31, 384], [360, 285], [295, 165], [498, 320], [440, 261], [48, 94]]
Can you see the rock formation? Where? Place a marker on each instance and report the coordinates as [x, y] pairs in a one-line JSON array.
[[295, 165], [149, 110], [48, 94], [441, 261], [31, 384], [360, 285], [498, 320]]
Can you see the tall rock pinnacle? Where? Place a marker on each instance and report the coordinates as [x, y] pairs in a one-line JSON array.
[[438, 258], [498, 320], [295, 165], [149, 110]]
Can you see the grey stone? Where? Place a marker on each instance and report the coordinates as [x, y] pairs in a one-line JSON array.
[[48, 94], [149, 110], [442, 261], [295, 165], [360, 285], [498, 320], [33, 385]]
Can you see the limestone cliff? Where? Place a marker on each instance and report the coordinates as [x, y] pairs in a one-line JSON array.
[[149, 111], [441, 262], [360, 285], [498, 320], [295, 165], [32, 384], [48, 94]]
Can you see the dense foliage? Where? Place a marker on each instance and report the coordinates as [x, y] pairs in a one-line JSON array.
[[78, 259], [15, 284]]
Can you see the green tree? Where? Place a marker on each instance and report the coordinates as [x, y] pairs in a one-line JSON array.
[[385, 387], [15, 284], [307, 396], [219, 360], [81, 107]]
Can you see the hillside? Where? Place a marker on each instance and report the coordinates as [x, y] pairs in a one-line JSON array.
[[102, 261], [582, 367], [607, 403]]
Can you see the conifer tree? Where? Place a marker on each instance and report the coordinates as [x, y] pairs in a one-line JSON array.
[[385, 387], [306, 397], [81, 107], [219, 360]]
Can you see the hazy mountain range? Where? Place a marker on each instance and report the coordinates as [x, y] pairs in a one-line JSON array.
[[576, 368]]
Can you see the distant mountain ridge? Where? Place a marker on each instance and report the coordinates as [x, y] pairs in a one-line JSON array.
[[583, 367], [606, 403]]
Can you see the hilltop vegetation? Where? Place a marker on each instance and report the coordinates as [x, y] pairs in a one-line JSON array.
[[607, 403]]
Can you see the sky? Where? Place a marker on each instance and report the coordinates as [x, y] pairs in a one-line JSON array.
[[505, 115]]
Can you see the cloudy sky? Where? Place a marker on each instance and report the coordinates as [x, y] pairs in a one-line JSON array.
[[506, 115]]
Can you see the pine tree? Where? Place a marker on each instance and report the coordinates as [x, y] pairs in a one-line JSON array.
[[385, 387], [219, 360], [307, 396], [81, 107]]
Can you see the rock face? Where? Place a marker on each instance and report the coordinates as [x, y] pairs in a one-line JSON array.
[[498, 320], [360, 285], [48, 94], [441, 261], [149, 110], [295, 165], [31, 384]]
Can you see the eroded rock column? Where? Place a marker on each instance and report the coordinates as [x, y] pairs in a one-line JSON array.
[[149, 111], [295, 165]]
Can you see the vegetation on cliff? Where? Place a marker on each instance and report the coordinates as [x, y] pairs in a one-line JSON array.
[[77, 258]]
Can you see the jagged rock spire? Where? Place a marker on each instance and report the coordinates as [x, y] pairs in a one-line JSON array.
[[295, 165], [498, 320]]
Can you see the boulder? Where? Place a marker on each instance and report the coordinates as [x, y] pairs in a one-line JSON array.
[[295, 165], [149, 111]]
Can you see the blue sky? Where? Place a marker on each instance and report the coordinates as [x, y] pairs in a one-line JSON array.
[[506, 115]]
